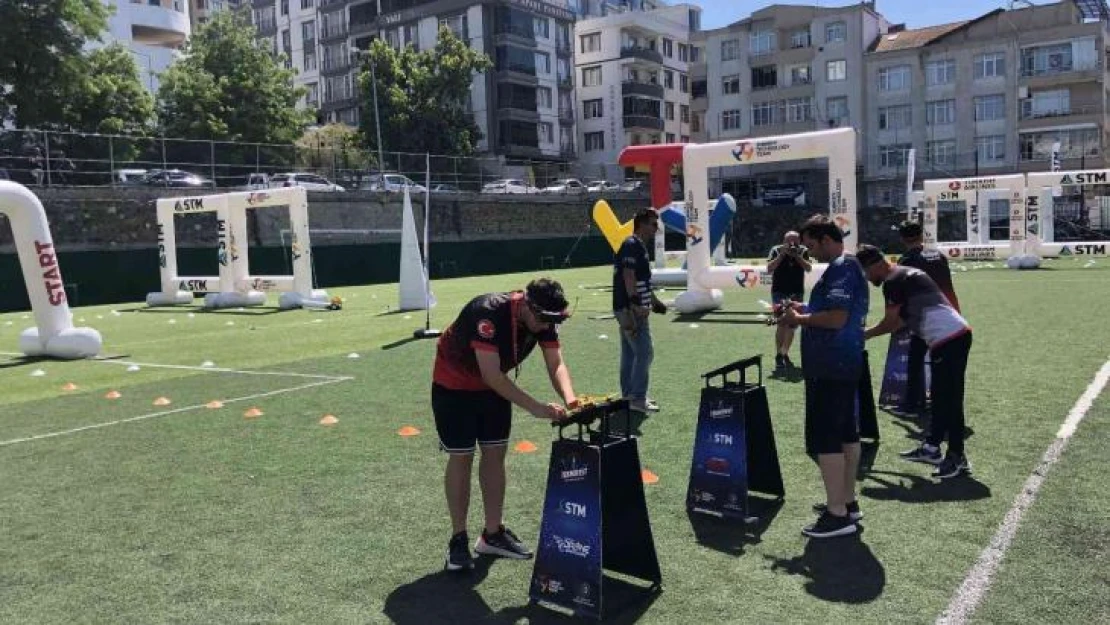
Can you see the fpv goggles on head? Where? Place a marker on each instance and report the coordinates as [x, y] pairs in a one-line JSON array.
[[547, 316]]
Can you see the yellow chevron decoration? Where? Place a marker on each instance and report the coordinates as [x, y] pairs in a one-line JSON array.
[[615, 232]]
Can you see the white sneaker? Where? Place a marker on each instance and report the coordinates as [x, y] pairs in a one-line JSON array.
[[650, 404]]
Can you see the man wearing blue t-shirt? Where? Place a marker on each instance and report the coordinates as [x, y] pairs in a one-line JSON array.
[[633, 301], [832, 359]]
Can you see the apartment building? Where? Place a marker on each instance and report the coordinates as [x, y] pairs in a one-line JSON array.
[[632, 69], [524, 106], [200, 11], [153, 30], [783, 70], [989, 95]]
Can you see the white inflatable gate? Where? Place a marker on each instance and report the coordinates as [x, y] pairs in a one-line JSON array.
[[976, 193], [234, 286], [53, 334]]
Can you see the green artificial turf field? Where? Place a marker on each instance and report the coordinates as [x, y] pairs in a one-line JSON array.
[[119, 510]]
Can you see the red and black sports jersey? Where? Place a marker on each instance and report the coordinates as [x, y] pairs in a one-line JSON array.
[[935, 265], [489, 322]]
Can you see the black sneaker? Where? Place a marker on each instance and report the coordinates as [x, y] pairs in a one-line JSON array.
[[854, 512], [786, 362], [458, 554], [780, 362], [504, 543], [925, 453], [829, 526], [952, 467]]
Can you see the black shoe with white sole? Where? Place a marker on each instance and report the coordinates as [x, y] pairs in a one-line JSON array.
[[458, 554], [503, 543], [829, 525], [854, 512], [952, 466]]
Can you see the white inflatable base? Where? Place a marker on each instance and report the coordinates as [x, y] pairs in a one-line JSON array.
[[291, 299], [1023, 261], [668, 277], [691, 302], [69, 344], [234, 300], [180, 298]]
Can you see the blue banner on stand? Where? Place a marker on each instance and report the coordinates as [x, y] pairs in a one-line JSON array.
[[567, 572], [719, 471], [896, 372]]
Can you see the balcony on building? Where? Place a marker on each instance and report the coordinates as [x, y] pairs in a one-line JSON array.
[[565, 83], [266, 26], [643, 88], [513, 64], [1073, 61], [519, 138], [335, 65], [333, 4], [364, 19], [639, 53], [563, 47], [334, 30], [513, 26], [566, 115], [642, 122], [519, 102], [566, 150]]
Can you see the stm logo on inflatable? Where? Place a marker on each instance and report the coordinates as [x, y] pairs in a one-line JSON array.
[[694, 235], [747, 278], [744, 151]]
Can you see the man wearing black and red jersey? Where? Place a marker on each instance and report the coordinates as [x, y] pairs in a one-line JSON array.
[[913, 299], [935, 265], [472, 398]]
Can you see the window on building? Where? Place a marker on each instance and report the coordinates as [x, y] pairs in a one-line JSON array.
[[836, 31], [683, 52], [799, 39], [309, 59], [799, 75], [590, 43], [284, 5], [547, 132], [668, 48], [940, 112], [286, 41], [696, 123], [592, 109], [762, 42], [894, 78], [308, 31], [730, 120], [991, 65], [457, 24], [668, 111], [730, 84], [895, 117], [591, 76], [730, 49], [941, 153], [763, 114], [1074, 143], [312, 98], [893, 155], [307, 4], [764, 77], [836, 70], [668, 79], [670, 137], [990, 107], [695, 54], [836, 110], [594, 141], [799, 110], [543, 63], [543, 97], [990, 149], [541, 27], [939, 73], [1047, 104], [1046, 59], [684, 113], [684, 83]]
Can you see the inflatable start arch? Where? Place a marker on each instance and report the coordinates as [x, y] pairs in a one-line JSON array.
[[53, 334]]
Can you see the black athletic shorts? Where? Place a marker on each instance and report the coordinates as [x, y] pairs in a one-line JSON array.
[[831, 416], [468, 418]]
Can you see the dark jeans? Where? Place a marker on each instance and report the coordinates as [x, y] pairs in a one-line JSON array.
[[949, 367], [915, 370]]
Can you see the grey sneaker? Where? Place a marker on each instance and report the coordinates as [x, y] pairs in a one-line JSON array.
[[926, 453], [503, 543], [952, 466]]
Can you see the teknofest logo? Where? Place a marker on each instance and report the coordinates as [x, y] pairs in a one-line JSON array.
[[747, 278], [744, 151], [844, 224], [694, 235]]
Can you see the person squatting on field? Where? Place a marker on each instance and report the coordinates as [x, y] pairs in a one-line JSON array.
[[788, 264], [633, 301], [832, 362], [472, 398], [913, 299], [935, 265]]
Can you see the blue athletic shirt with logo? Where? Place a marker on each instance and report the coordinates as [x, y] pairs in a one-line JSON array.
[[837, 354]]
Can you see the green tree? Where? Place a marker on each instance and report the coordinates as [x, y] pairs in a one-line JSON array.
[[110, 97], [228, 87], [41, 57], [333, 151], [422, 97]]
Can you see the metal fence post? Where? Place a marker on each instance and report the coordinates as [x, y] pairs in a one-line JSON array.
[[455, 161], [258, 158], [46, 144], [165, 165], [111, 160], [212, 161]]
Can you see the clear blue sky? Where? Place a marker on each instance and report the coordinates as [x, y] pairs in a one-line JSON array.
[[914, 13]]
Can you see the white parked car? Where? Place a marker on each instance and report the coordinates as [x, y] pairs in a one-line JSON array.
[[566, 185], [392, 183], [602, 186], [508, 185], [310, 182]]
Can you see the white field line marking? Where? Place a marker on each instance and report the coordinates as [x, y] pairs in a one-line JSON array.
[[164, 413], [287, 374], [978, 580]]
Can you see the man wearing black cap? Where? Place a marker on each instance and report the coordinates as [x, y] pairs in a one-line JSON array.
[[935, 265], [914, 300], [472, 398]]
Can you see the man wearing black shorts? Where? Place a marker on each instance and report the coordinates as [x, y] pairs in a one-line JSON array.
[[788, 264], [913, 299], [935, 265], [832, 361], [472, 398]]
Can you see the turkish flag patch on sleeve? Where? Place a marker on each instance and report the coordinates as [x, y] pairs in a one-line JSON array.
[[486, 329]]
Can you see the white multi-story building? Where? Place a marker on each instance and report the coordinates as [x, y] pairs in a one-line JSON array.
[[154, 31], [201, 10], [633, 82]]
